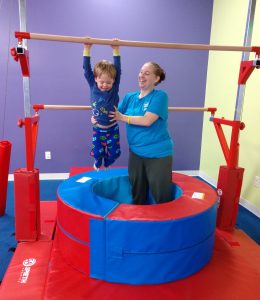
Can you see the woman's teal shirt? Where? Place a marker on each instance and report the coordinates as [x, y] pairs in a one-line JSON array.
[[153, 141]]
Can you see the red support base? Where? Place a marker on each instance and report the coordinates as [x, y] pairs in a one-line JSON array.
[[229, 182], [27, 204], [5, 154]]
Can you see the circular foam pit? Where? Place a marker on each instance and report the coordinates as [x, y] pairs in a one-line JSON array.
[[101, 234]]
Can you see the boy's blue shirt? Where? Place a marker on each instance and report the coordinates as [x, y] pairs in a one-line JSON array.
[[102, 102]]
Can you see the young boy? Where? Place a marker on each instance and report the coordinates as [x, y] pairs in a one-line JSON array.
[[104, 87]]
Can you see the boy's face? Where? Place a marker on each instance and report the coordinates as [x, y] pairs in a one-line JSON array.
[[104, 82]]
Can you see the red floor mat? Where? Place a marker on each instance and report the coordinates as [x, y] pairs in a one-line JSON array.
[[232, 274]]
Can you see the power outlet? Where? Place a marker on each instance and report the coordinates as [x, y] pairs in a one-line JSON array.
[[47, 154], [257, 181]]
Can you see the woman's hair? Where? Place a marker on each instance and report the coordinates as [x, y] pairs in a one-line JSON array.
[[158, 71], [105, 67]]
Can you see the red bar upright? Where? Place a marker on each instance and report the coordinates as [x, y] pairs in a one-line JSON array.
[[5, 154], [231, 176]]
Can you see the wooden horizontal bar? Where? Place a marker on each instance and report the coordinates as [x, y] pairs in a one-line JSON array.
[[64, 107], [83, 107], [191, 109], [74, 39]]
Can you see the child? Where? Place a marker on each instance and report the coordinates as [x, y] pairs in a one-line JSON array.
[[104, 88]]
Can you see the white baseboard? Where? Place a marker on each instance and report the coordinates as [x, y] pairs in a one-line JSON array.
[[189, 173], [208, 179], [46, 176], [54, 176], [245, 203]]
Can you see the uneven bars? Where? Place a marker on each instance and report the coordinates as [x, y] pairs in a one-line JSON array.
[[74, 39], [84, 107]]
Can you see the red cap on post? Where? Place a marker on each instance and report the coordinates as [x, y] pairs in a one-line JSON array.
[[22, 35]]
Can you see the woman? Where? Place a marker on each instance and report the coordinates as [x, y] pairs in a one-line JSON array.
[[146, 116]]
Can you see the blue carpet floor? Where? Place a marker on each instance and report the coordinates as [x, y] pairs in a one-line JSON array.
[[249, 223], [246, 221]]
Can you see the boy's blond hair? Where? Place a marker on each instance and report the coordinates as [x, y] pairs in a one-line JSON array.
[[105, 67]]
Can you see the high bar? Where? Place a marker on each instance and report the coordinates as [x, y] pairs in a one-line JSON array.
[[82, 40]]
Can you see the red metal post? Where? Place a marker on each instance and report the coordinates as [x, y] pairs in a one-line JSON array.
[[31, 132], [27, 187], [26, 181]]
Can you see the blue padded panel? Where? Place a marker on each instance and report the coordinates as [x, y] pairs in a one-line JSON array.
[[151, 252]]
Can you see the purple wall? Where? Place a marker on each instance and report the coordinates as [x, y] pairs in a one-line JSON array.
[[57, 75]]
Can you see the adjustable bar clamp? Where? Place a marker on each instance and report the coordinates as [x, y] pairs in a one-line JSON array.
[[248, 66], [21, 54]]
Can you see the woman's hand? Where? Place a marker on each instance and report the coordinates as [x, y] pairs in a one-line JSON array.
[[115, 115], [93, 120]]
